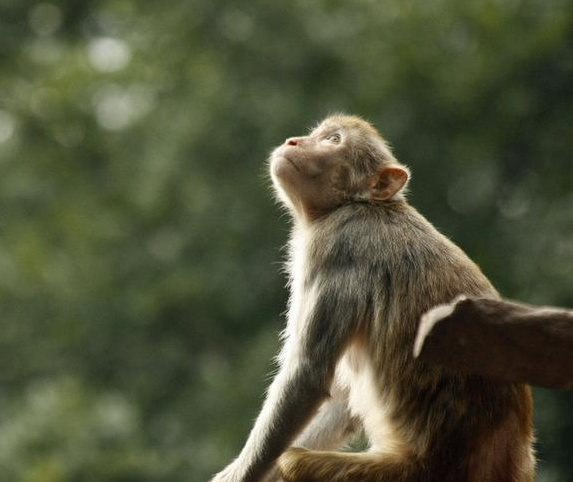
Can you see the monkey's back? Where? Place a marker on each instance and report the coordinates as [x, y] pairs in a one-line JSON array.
[[402, 267]]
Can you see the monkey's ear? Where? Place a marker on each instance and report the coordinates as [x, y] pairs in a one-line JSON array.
[[388, 181]]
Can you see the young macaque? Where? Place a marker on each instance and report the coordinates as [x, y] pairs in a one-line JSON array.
[[364, 266]]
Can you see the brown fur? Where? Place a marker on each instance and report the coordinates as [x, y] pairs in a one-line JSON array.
[[364, 267]]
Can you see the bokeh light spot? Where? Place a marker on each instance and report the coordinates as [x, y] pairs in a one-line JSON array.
[[108, 54]]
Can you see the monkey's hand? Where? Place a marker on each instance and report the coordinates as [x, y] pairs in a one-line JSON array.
[[231, 473], [234, 473]]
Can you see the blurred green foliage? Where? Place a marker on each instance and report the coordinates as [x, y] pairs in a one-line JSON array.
[[140, 292]]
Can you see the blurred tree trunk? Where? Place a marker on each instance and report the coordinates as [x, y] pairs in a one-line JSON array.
[[502, 340]]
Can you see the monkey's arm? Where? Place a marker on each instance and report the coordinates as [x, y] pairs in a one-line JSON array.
[[328, 320]]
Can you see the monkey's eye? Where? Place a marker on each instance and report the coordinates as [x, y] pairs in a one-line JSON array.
[[336, 138]]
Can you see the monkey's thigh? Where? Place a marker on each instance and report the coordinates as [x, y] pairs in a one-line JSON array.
[[301, 465]]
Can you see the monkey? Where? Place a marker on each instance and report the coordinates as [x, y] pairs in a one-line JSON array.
[[364, 265]]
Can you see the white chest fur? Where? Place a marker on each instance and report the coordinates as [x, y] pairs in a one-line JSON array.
[[356, 374]]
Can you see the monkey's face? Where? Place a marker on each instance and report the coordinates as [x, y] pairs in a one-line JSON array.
[[313, 170], [337, 162]]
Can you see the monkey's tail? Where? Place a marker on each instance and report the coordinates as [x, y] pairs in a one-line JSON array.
[[301, 465]]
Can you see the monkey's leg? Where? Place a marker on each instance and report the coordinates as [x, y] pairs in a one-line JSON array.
[[301, 465], [328, 430]]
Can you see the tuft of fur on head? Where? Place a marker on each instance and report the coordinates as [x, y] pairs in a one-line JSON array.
[[366, 134]]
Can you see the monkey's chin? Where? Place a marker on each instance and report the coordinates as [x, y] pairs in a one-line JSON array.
[[282, 167]]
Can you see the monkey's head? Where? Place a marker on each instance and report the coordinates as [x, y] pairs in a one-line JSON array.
[[341, 161]]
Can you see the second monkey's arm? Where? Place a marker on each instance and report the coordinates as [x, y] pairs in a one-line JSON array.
[[302, 384]]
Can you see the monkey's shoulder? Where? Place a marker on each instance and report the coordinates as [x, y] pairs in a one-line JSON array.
[[390, 237]]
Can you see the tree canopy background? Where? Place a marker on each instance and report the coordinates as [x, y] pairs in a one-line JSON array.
[[140, 247]]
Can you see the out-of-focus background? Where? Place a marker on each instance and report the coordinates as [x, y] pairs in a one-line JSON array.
[[140, 246]]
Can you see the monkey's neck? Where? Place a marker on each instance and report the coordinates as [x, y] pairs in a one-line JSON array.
[[309, 219]]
